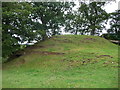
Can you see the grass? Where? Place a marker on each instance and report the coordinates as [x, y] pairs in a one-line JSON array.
[[87, 62]]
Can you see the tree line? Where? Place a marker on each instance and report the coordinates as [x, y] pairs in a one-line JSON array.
[[37, 21]]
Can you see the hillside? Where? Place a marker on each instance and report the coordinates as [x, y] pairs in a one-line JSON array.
[[64, 61]]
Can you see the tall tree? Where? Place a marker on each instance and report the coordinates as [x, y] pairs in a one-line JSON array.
[[51, 16], [95, 16], [114, 22], [16, 25], [76, 20], [90, 18]]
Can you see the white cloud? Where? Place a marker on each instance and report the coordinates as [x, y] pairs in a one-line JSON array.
[[111, 7]]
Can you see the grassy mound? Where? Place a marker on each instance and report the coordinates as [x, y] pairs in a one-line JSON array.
[[65, 61]]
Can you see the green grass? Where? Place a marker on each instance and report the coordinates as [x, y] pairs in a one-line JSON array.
[[88, 62]]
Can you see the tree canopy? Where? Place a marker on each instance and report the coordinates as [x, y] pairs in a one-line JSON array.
[[36, 21], [89, 18], [23, 21]]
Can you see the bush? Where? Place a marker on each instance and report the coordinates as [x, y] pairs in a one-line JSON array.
[[111, 36]]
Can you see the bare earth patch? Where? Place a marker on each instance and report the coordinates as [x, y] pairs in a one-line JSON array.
[[88, 40], [91, 39], [46, 53], [100, 56]]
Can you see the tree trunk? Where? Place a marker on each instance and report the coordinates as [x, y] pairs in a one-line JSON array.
[[44, 36], [54, 33], [93, 32], [75, 32]]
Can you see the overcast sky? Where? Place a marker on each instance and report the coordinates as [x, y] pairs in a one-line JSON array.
[[112, 6]]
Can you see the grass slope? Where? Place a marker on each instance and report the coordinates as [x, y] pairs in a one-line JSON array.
[[65, 61]]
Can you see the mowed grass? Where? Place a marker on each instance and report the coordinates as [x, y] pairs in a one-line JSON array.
[[65, 61]]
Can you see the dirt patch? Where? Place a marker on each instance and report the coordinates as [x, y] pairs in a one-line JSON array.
[[88, 40], [65, 40], [111, 64], [16, 54], [100, 56], [19, 54], [45, 53], [35, 47], [82, 62]]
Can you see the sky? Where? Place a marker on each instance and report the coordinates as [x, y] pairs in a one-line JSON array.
[[112, 6]]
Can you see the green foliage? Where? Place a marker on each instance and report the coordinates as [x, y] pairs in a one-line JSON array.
[[88, 19], [115, 23], [51, 15], [15, 25], [95, 16], [20, 22], [111, 36]]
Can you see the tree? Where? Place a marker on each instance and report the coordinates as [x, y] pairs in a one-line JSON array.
[[89, 18], [23, 21], [51, 16], [76, 22], [95, 16], [16, 26], [115, 22]]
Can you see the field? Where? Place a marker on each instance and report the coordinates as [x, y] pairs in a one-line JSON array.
[[64, 61]]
